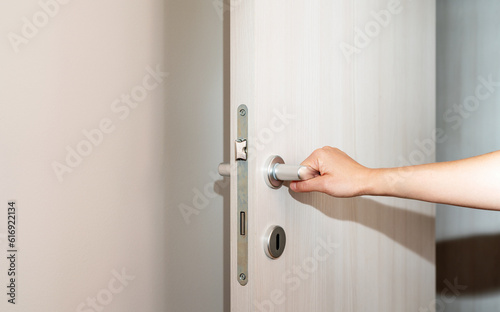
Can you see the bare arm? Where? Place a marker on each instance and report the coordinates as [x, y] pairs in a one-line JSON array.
[[471, 182]]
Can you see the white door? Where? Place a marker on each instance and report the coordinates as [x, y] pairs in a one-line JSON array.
[[357, 75]]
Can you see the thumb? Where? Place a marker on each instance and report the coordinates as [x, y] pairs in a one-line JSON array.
[[312, 185]]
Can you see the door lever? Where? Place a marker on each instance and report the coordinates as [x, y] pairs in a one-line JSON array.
[[225, 169], [277, 172]]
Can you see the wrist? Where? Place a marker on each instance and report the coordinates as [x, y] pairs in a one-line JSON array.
[[377, 182]]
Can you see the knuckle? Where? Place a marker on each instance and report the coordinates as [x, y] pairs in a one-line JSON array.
[[330, 149], [323, 152], [317, 152]]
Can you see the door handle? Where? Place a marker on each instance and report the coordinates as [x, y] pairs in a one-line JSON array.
[[224, 169], [277, 172]]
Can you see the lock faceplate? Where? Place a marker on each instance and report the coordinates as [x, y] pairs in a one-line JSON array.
[[242, 194]]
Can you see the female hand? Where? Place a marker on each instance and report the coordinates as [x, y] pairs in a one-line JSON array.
[[340, 175]]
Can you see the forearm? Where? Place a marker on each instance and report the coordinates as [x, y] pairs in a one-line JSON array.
[[472, 182]]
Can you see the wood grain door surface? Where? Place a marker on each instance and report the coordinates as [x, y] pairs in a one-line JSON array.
[[360, 76]]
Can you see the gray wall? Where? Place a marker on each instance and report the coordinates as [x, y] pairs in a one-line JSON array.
[[468, 240], [196, 256]]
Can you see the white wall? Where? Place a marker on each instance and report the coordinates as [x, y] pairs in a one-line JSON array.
[[117, 208], [468, 47]]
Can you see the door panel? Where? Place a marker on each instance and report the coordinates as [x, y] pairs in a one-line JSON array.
[[309, 80]]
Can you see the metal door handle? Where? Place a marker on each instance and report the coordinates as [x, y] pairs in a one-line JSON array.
[[277, 172]]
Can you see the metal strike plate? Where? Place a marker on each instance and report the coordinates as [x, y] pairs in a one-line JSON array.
[[275, 242], [242, 193]]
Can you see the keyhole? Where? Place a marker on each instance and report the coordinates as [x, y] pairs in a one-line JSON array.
[[275, 242]]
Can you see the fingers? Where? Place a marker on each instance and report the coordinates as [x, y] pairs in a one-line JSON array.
[[313, 185], [317, 161], [317, 157], [312, 161]]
